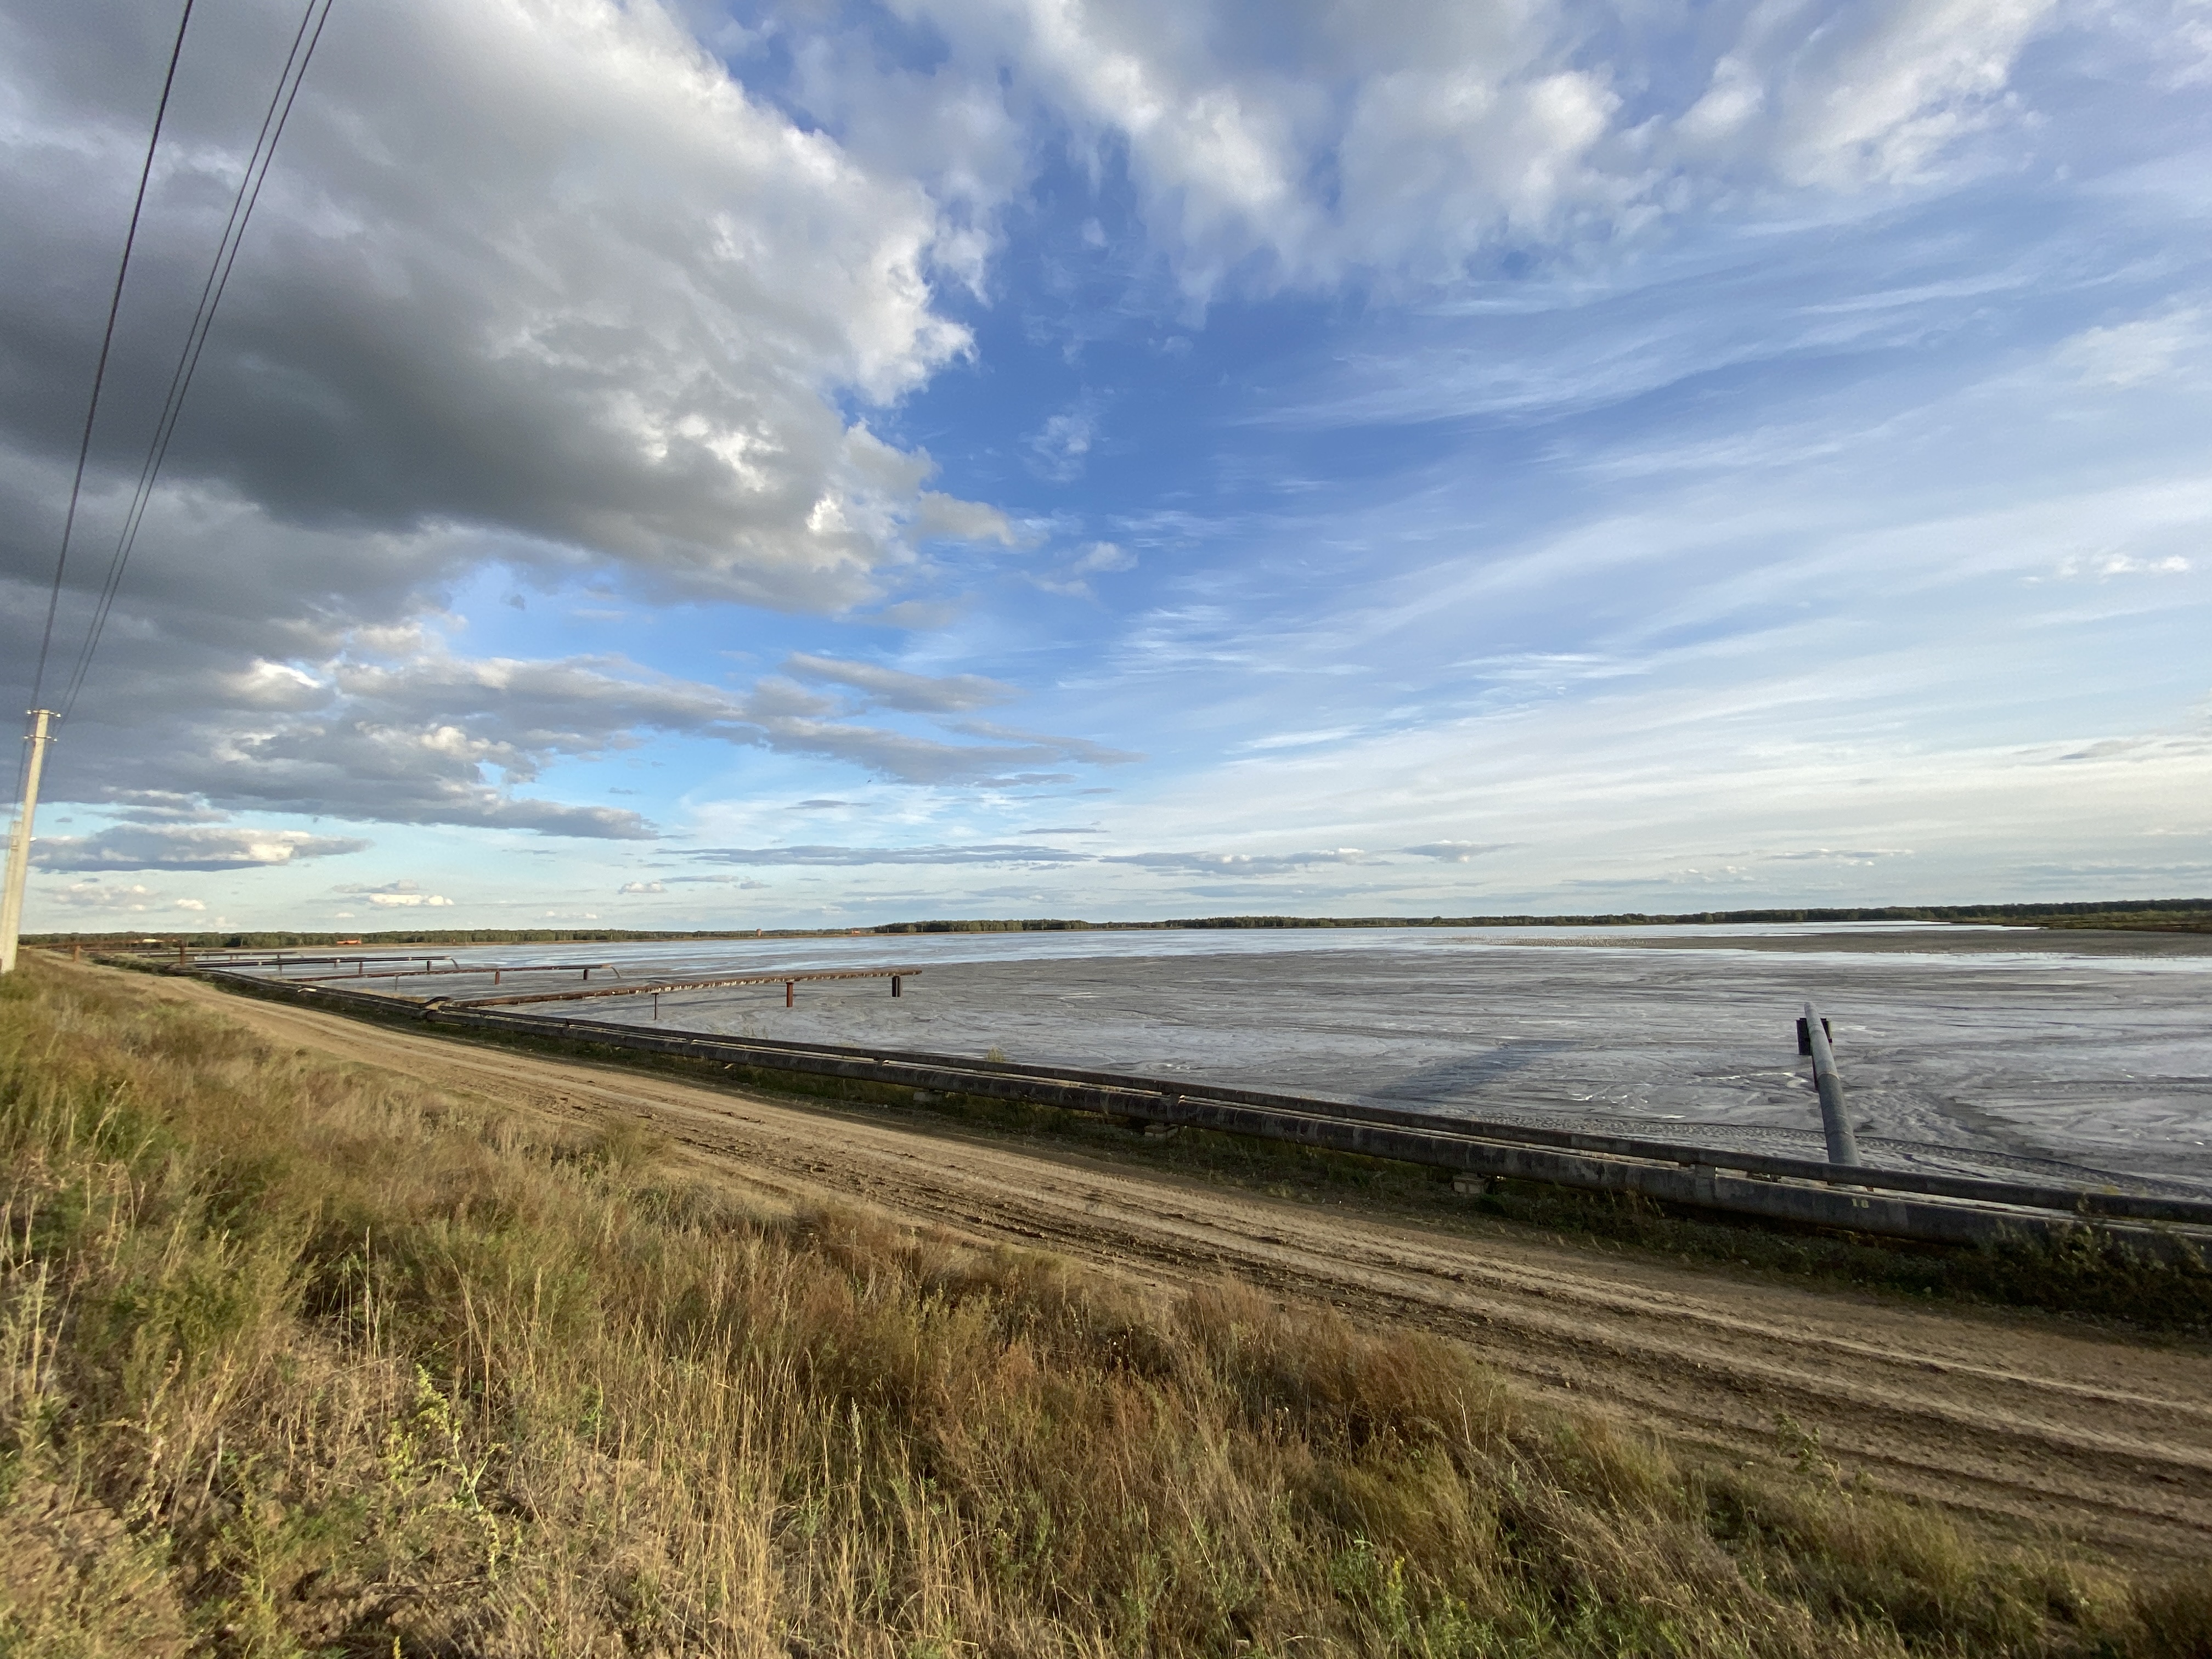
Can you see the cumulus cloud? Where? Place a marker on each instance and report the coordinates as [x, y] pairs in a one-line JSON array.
[[536, 283], [541, 265], [395, 896], [634, 888], [433, 740], [440, 738], [132, 847]]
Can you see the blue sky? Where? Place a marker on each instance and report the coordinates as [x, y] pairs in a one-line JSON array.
[[692, 467]]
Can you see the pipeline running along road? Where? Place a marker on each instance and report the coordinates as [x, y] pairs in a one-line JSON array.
[[2013, 1419]]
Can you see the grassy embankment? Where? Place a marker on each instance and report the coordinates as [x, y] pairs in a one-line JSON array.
[[299, 1358], [2091, 1275]]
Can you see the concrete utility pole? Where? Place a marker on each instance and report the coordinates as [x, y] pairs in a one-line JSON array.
[[18, 843]]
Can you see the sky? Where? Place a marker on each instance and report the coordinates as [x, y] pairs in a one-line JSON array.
[[673, 464]]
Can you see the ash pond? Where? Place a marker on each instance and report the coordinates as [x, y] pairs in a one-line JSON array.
[[1992, 1051]]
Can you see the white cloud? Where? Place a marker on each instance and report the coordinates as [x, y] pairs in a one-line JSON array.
[[2106, 565], [1306, 144], [893, 688], [640, 887], [130, 847], [1071, 577], [954, 520], [1061, 446], [133, 898], [1098, 558], [1234, 863], [785, 717], [537, 282], [540, 265], [2134, 353], [982, 853], [1859, 856], [393, 896], [1256, 865], [435, 738], [102, 896], [1875, 95]]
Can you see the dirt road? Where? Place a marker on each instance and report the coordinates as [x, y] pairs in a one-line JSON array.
[[2029, 1426]]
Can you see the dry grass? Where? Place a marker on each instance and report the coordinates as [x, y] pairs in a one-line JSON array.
[[300, 1358]]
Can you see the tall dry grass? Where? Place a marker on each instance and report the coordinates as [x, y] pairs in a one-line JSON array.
[[302, 1358]]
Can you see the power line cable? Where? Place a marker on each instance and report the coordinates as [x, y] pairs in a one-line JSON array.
[[106, 340], [99, 377], [157, 447], [289, 79]]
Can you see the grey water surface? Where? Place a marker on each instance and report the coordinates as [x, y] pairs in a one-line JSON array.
[[1998, 1050]]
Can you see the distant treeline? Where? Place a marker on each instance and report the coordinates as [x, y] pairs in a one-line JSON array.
[[2178, 915], [2186, 913]]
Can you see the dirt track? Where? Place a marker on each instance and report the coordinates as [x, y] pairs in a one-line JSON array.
[[2025, 1425]]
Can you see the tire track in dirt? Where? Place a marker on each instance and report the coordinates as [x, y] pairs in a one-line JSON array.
[[2025, 1424]]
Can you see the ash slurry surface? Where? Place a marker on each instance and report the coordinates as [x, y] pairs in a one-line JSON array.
[[1995, 1051]]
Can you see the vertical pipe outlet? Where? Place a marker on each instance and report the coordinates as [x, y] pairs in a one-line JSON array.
[[1842, 1145]]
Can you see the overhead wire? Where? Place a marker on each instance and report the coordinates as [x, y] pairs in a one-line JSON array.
[[289, 80], [100, 369]]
